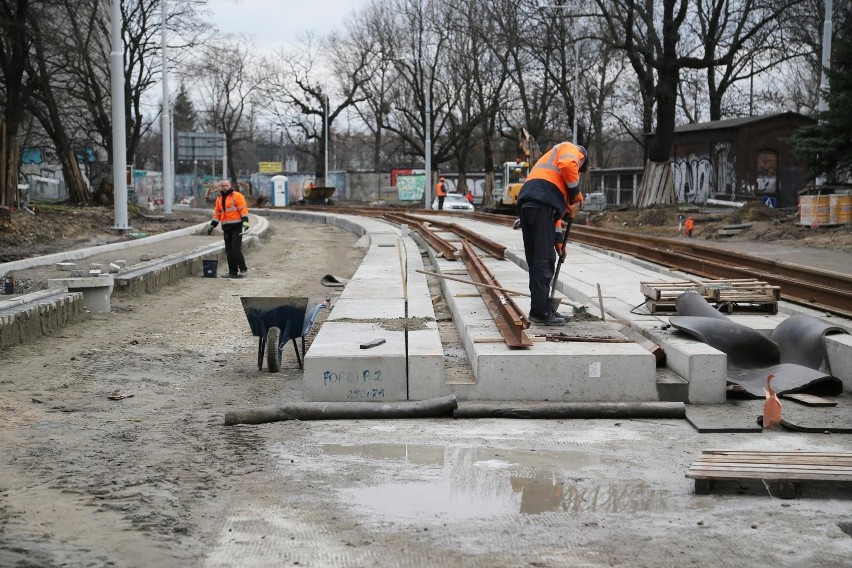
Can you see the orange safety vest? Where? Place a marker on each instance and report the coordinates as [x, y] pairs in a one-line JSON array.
[[231, 208], [439, 189], [560, 166]]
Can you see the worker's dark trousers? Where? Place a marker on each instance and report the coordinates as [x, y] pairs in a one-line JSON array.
[[234, 247], [440, 202], [538, 225]]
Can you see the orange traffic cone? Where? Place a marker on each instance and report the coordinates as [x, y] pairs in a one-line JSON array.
[[772, 406]]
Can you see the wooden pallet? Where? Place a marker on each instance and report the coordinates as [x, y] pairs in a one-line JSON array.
[[734, 295], [784, 469]]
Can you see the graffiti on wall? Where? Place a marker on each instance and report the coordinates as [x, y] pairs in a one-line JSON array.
[[694, 179]]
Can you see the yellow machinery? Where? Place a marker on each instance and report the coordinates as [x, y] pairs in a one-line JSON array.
[[515, 173]]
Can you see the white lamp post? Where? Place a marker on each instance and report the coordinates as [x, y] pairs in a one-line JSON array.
[[168, 184], [119, 143]]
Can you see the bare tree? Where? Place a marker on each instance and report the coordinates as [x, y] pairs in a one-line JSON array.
[[228, 83], [17, 88], [46, 67], [299, 88]]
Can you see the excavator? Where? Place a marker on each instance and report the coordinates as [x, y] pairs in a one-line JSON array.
[[515, 173]]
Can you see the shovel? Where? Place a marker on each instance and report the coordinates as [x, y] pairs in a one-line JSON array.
[[554, 301]]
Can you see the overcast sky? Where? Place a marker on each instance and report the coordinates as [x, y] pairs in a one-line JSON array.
[[271, 23]]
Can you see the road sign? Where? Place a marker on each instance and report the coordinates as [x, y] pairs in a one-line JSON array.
[[200, 146], [770, 201]]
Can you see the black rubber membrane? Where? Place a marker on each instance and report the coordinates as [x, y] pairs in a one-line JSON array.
[[794, 352]]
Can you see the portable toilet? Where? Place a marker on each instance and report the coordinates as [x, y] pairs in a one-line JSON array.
[[280, 196]]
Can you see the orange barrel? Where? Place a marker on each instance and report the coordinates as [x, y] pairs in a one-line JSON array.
[[814, 209], [841, 208]]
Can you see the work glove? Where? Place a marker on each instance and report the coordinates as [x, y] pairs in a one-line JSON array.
[[517, 224], [576, 204], [209, 230], [245, 226]]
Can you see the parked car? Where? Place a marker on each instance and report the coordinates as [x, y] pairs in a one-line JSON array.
[[454, 202]]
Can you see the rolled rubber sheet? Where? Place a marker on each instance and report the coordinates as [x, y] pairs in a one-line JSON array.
[[794, 353]]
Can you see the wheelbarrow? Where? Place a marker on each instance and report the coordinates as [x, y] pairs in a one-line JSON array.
[[277, 320]]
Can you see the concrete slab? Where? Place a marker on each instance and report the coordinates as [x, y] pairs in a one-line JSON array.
[[839, 350], [96, 290], [337, 369]]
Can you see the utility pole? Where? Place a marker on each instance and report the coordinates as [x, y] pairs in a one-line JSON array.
[[119, 141]]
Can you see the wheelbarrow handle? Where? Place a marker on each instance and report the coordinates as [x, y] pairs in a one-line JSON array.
[[310, 322]]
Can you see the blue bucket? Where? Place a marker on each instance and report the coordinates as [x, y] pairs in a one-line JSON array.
[[209, 267]]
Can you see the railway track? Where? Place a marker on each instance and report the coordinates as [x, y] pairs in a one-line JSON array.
[[813, 287]]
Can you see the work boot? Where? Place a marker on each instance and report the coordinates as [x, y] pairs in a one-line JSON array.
[[229, 275], [550, 319], [243, 271]]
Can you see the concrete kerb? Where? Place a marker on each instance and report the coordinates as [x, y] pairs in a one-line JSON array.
[[150, 276], [336, 369], [91, 251], [31, 316]]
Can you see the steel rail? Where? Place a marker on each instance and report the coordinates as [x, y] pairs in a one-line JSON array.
[[510, 320], [444, 247], [805, 286], [495, 249]]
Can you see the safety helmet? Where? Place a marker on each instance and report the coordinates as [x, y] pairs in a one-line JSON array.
[[519, 171], [440, 179], [585, 165]]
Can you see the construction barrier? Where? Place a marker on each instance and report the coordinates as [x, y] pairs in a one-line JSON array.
[[841, 208], [814, 210]]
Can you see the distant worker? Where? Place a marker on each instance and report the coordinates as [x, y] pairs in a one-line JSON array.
[[231, 210], [469, 197], [688, 227], [441, 192], [551, 191]]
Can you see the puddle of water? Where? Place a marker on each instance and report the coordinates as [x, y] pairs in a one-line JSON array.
[[468, 483]]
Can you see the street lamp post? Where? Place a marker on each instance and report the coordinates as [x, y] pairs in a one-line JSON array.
[[119, 143], [427, 150], [168, 184]]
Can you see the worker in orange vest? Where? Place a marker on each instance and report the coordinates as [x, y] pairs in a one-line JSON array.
[[551, 191], [688, 227], [441, 192], [231, 210]]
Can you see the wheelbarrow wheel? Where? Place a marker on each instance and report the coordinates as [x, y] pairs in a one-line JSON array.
[[273, 352]]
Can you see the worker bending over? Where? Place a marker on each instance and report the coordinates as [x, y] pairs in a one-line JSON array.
[[551, 190]]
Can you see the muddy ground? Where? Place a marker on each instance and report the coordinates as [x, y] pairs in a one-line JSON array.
[[156, 479]]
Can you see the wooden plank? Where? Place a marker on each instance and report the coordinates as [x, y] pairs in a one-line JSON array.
[[774, 469], [768, 475], [777, 453], [808, 399], [777, 460]]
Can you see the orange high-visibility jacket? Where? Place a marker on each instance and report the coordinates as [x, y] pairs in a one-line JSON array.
[[441, 189], [689, 225], [560, 166], [233, 210]]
